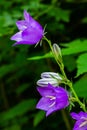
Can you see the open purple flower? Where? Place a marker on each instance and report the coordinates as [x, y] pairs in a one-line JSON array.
[[53, 99], [81, 120], [30, 31]]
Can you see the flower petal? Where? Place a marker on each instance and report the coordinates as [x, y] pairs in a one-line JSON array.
[[21, 24], [27, 16], [44, 103], [32, 22], [31, 35], [57, 106], [78, 126], [75, 116], [82, 114], [17, 37], [45, 91]]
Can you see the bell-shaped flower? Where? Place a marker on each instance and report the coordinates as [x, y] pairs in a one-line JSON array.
[[81, 120], [30, 31], [53, 99], [49, 77]]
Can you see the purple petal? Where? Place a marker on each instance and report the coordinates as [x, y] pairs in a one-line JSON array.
[[21, 24], [79, 125], [31, 32], [57, 106], [17, 37], [82, 114], [75, 116], [45, 91], [31, 35], [44, 104], [32, 22], [61, 91], [51, 110], [27, 16]]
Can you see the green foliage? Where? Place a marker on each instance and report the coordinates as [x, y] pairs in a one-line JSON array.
[[60, 14], [47, 55], [6, 69], [81, 87], [74, 47], [81, 64], [39, 117], [17, 111], [71, 65], [22, 88], [18, 73]]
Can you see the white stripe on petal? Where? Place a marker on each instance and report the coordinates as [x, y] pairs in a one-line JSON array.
[[50, 75]]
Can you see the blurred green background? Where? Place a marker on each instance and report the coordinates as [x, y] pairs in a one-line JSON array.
[[66, 22]]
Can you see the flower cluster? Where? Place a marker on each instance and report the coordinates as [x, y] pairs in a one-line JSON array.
[[54, 97]]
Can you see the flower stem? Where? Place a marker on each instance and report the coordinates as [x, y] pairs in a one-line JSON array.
[[69, 83], [59, 64], [76, 97]]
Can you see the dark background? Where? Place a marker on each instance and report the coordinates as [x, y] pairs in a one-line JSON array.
[[65, 20]]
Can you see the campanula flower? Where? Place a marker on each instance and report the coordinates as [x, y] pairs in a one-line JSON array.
[[81, 120], [49, 77], [53, 99], [30, 31]]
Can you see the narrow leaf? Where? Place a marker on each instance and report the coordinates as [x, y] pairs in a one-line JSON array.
[[47, 55]]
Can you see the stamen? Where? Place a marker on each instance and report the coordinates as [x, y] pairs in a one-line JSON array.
[[83, 124], [52, 104], [51, 97]]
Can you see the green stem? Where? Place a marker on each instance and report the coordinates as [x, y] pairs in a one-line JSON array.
[[69, 83], [76, 97], [61, 68], [66, 120]]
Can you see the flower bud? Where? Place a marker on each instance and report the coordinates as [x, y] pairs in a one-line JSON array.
[[49, 77], [56, 51]]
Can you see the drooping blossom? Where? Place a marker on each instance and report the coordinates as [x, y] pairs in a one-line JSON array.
[[81, 120], [30, 31], [49, 77], [53, 99]]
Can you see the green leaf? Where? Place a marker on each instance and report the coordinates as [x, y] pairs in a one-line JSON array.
[[18, 110], [47, 55], [60, 14], [39, 117], [81, 87], [84, 20], [22, 88], [71, 65], [82, 64], [5, 69], [74, 47], [14, 127]]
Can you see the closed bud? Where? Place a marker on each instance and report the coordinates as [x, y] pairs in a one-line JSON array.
[[49, 77], [56, 51]]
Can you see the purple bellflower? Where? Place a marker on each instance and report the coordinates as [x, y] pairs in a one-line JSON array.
[[81, 120], [53, 99], [30, 31]]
